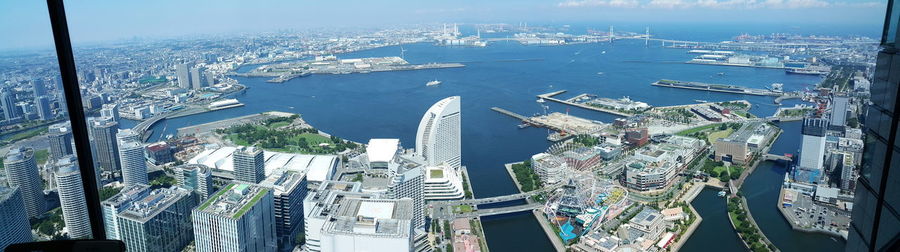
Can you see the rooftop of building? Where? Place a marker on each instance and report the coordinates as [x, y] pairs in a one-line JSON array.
[[377, 217], [317, 167], [646, 217], [283, 180], [146, 206], [382, 150], [234, 200], [127, 194]]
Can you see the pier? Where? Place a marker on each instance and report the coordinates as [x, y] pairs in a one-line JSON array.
[[715, 88], [525, 119], [549, 97]]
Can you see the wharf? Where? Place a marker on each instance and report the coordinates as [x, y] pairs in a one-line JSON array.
[[715, 88], [549, 97], [525, 119]]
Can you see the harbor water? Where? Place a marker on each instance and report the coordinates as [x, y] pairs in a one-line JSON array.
[[508, 75]]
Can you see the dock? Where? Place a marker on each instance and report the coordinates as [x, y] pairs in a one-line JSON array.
[[722, 88], [525, 119], [549, 97]]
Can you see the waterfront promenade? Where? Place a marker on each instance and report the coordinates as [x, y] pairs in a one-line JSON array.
[[545, 225]]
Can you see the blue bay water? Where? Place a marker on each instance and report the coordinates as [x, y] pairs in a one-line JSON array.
[[508, 75]]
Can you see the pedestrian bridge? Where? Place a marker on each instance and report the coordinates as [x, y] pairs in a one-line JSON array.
[[773, 157], [444, 209]]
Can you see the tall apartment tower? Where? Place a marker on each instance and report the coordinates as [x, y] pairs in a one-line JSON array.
[[875, 225], [134, 167], [289, 188], [14, 219], [106, 147], [183, 75], [812, 150], [410, 184], [60, 135], [198, 78], [439, 134], [249, 164], [127, 135], [71, 198], [196, 177], [240, 217], [158, 221], [839, 109], [110, 110], [114, 205], [8, 103], [22, 172], [42, 105]]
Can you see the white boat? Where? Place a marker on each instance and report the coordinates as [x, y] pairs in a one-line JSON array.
[[433, 83], [603, 52], [599, 73]]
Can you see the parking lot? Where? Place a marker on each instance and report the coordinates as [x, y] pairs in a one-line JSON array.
[[809, 214]]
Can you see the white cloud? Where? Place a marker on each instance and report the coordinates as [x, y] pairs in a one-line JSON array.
[[718, 4]]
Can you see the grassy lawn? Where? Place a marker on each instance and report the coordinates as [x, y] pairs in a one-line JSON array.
[[734, 169], [462, 209], [436, 173], [733, 216], [40, 156], [697, 129], [712, 137], [719, 169], [237, 140], [25, 135], [279, 124]]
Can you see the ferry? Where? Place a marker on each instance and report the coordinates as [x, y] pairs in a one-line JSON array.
[[805, 71], [433, 83]]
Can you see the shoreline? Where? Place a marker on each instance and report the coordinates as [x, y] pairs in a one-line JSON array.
[[796, 227], [554, 239]]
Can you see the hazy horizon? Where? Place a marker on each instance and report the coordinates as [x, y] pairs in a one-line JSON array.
[[106, 21]]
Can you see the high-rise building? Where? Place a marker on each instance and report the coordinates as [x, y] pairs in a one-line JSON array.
[[183, 75], [38, 87], [196, 177], [8, 103], [409, 183], [240, 217], [14, 219], [321, 203], [289, 188], [158, 221], [127, 135], [812, 150], [134, 167], [438, 138], [249, 164], [876, 221], [22, 172], [839, 109], [381, 224], [198, 78], [60, 136], [115, 204], [110, 110], [71, 198], [103, 133], [42, 105], [443, 183]]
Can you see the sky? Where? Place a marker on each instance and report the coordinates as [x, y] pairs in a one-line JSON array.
[[24, 24]]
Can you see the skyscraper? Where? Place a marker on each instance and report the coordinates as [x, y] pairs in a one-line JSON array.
[[71, 198], [289, 189], [103, 133], [195, 177], [8, 103], [812, 150], [110, 110], [839, 110], [249, 164], [198, 78], [115, 204], [60, 135], [38, 87], [183, 75], [22, 173], [14, 219], [127, 135], [158, 221], [134, 167], [876, 222], [42, 105], [240, 217], [438, 137], [409, 183]]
